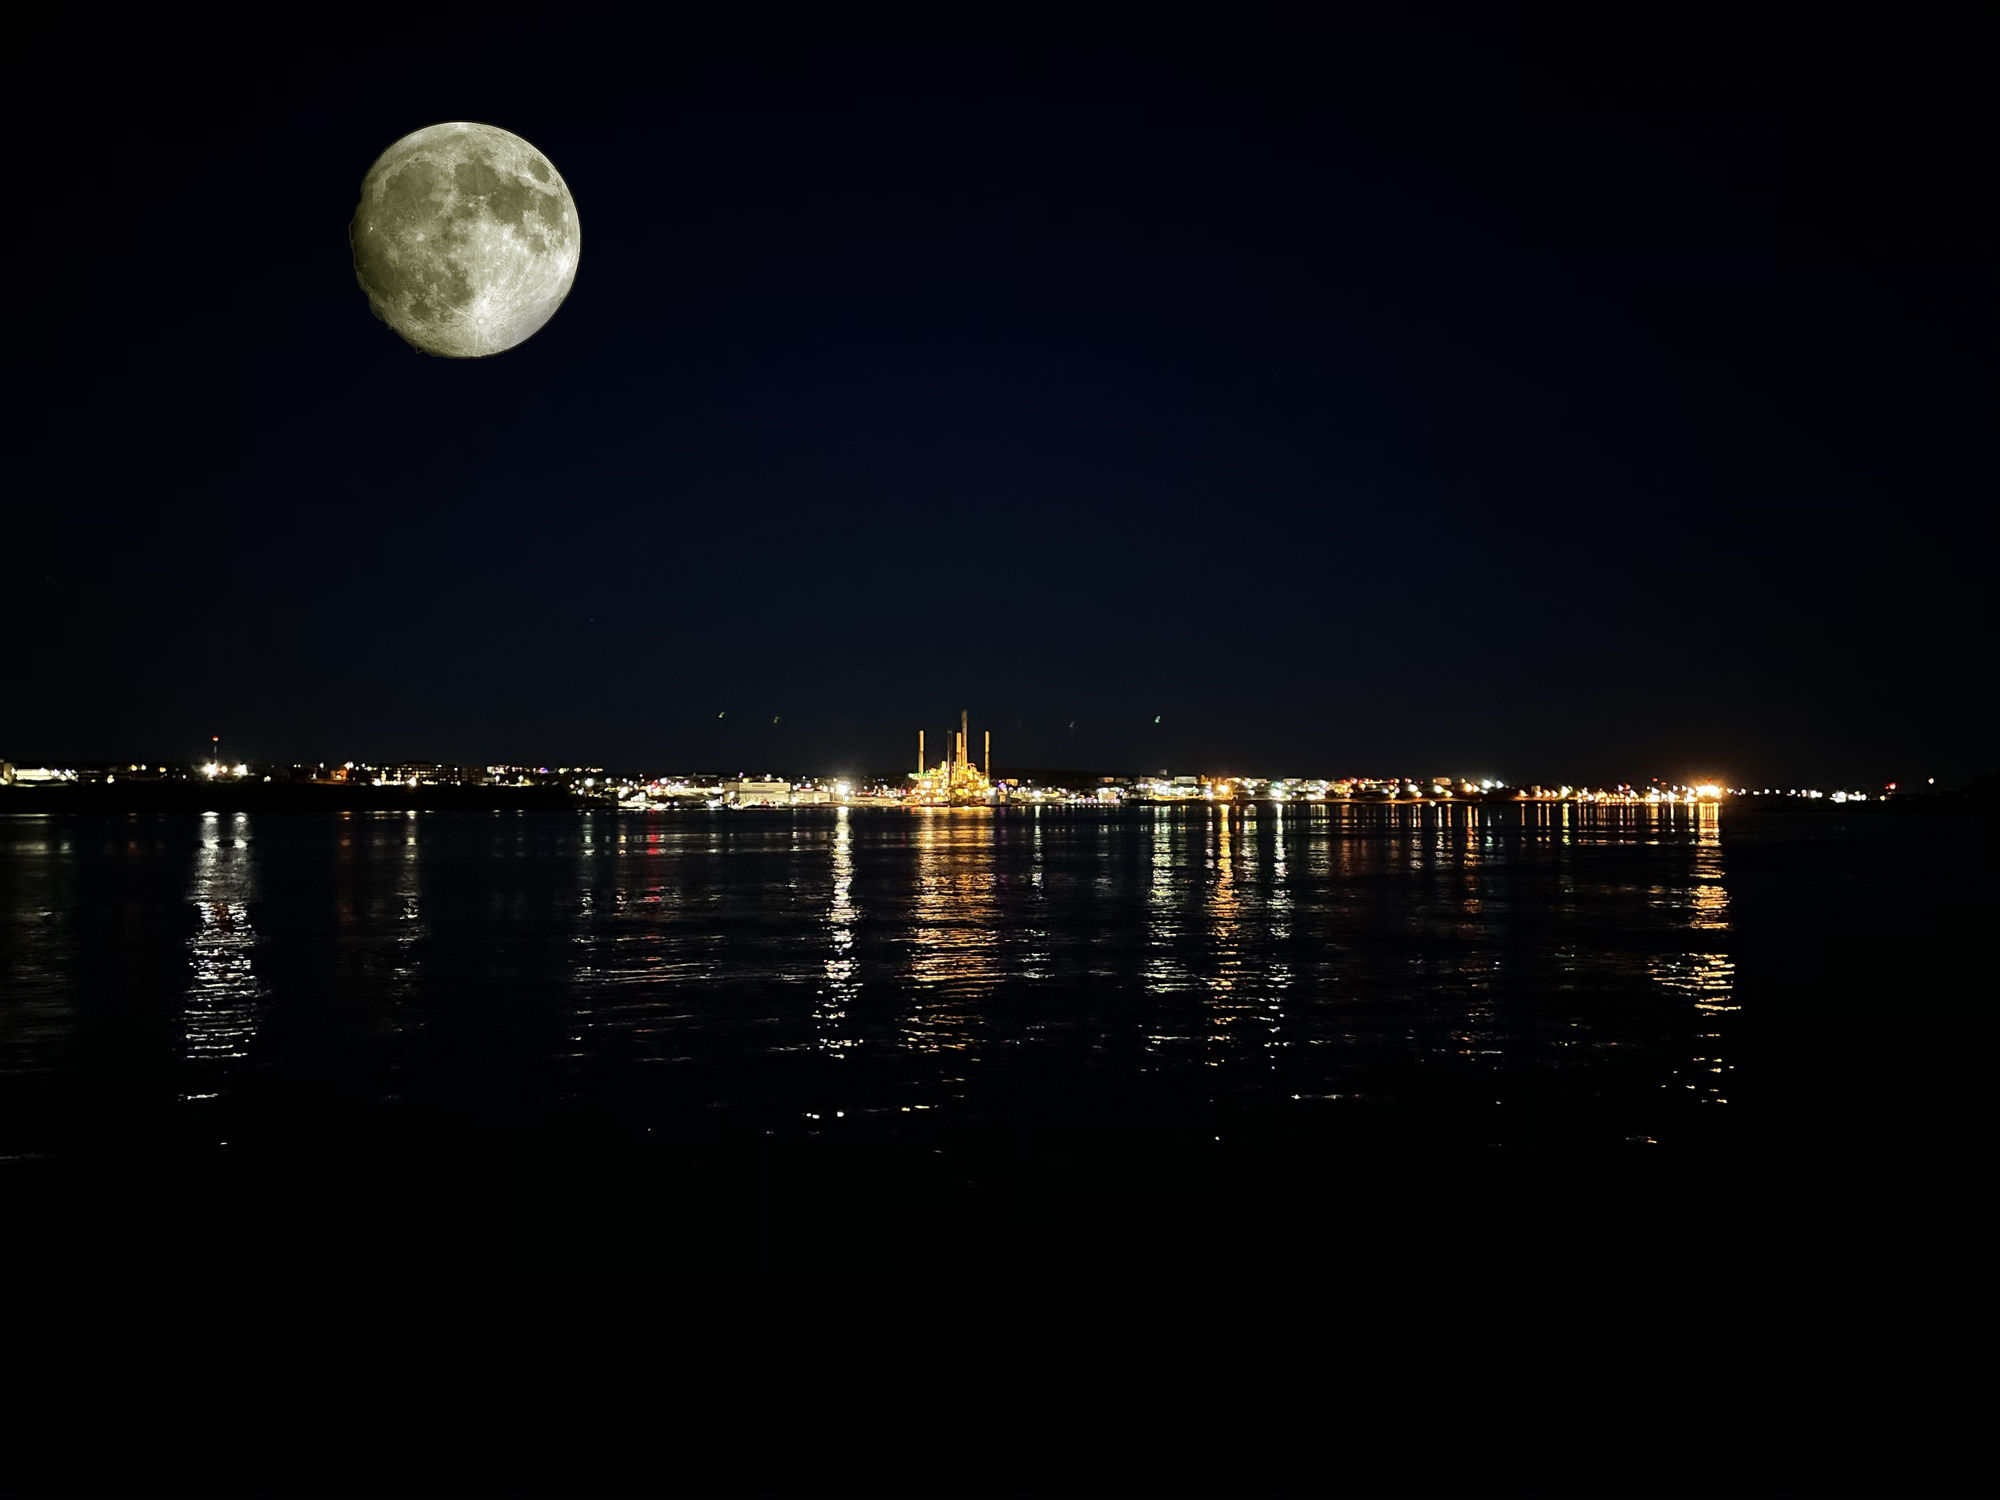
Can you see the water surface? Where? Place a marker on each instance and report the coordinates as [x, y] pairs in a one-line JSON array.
[[868, 971]]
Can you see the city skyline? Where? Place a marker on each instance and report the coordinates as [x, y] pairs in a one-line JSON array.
[[953, 780], [958, 751]]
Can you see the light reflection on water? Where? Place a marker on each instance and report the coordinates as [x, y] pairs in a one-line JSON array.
[[407, 903], [637, 942], [219, 1018], [1705, 976], [955, 928], [1164, 896], [1278, 972], [721, 963], [842, 986], [1227, 1004]]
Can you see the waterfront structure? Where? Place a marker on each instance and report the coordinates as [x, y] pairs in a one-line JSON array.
[[38, 775], [954, 781]]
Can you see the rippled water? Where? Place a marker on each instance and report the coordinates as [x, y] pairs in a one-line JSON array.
[[1232, 1149], [869, 970]]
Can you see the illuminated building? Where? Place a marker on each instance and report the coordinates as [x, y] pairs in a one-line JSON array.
[[34, 775], [954, 781]]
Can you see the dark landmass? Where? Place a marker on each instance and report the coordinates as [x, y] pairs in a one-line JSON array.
[[277, 797], [1056, 778], [1792, 1293]]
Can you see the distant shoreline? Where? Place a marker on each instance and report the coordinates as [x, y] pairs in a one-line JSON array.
[[216, 796], [193, 797]]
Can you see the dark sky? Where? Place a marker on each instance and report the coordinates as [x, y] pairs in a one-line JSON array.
[[1487, 395]]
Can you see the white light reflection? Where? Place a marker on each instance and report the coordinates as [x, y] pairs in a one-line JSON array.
[[1278, 972], [1165, 973], [840, 986], [1034, 964], [410, 930], [219, 1020], [585, 938]]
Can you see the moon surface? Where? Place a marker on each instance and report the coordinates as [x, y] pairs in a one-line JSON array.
[[465, 239]]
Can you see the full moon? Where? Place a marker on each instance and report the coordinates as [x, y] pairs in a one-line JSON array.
[[465, 239]]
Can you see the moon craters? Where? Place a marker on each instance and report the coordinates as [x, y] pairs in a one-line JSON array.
[[465, 239]]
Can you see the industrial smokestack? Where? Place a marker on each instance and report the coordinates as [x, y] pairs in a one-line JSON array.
[[920, 752], [989, 755]]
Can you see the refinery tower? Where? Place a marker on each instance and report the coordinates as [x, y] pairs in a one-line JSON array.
[[955, 780]]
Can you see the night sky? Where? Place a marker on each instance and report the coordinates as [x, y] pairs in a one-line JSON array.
[[1483, 395]]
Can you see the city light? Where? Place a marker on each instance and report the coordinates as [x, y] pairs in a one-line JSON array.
[[958, 780], [962, 780]]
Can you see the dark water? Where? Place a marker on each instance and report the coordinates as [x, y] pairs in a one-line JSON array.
[[1314, 1148], [862, 971]]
